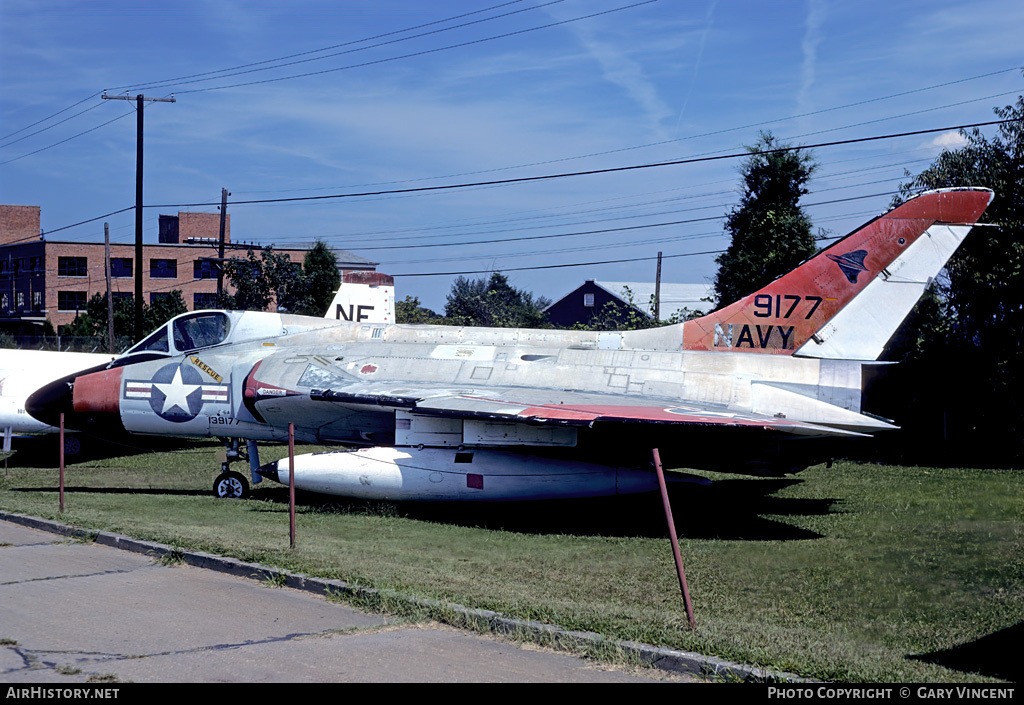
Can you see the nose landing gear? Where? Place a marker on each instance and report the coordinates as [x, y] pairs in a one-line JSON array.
[[230, 484]]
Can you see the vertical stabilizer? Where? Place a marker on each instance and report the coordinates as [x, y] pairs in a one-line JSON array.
[[848, 300], [364, 297]]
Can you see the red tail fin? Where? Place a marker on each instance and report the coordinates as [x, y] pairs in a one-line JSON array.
[[848, 300]]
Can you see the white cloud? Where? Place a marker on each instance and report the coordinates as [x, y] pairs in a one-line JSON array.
[[949, 140]]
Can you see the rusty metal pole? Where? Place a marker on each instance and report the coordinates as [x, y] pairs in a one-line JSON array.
[[672, 535], [62, 462], [291, 485]]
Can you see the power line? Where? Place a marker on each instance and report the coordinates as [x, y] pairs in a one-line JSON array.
[[424, 52], [40, 122], [258, 63], [527, 179], [55, 144], [577, 264], [590, 172], [284, 78], [717, 132], [178, 82]]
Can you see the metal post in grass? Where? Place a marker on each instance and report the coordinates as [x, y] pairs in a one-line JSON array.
[[291, 485], [672, 535], [61, 462]]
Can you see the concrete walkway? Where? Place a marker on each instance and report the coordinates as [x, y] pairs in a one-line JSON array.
[[76, 611]]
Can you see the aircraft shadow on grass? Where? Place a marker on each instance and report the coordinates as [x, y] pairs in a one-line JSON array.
[[43, 451], [115, 490], [996, 655], [726, 509]]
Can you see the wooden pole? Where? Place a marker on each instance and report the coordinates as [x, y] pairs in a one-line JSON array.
[[140, 101], [220, 243], [672, 535], [110, 296], [61, 504], [291, 485], [657, 291]]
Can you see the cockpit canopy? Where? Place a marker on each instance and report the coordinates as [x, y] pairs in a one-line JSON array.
[[205, 329], [189, 332]]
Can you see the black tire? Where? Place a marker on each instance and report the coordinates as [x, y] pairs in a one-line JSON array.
[[231, 485], [72, 445]]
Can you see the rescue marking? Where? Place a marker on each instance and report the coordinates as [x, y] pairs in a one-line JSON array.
[[205, 368]]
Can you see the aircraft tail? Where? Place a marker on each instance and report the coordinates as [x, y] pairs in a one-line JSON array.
[[364, 297], [847, 301]]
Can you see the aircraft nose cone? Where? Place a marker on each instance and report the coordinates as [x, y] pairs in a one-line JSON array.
[[88, 400], [47, 403]]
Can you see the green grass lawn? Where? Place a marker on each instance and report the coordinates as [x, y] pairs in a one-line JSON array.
[[856, 572]]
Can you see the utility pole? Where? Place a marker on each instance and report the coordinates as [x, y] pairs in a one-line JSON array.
[[139, 100], [657, 291], [110, 297], [220, 247]]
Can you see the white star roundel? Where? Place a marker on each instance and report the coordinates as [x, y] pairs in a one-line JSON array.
[[176, 393]]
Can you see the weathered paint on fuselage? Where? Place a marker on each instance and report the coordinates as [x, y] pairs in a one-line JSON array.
[[203, 393]]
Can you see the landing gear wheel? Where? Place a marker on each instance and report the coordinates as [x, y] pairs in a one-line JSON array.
[[231, 485], [72, 446]]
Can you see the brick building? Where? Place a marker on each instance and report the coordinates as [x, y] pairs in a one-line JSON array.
[[53, 280]]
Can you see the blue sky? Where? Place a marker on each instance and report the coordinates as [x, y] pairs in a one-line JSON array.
[[529, 88]]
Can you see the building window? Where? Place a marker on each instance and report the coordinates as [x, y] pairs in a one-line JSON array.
[[588, 300], [204, 269], [163, 269], [70, 300], [5, 303], [72, 267], [121, 267], [201, 301], [159, 296], [37, 300], [21, 300]]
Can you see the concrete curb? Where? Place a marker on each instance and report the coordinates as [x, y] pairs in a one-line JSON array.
[[672, 660]]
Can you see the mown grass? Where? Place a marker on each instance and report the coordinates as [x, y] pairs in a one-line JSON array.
[[856, 572]]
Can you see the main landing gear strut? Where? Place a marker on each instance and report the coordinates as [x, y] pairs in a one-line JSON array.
[[231, 484]]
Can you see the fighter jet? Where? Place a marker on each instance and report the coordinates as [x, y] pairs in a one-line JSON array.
[[465, 413], [362, 296]]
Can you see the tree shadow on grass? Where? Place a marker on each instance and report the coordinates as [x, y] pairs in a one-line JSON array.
[[726, 509], [995, 655]]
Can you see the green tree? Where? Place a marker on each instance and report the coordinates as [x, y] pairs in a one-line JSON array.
[[493, 302], [770, 232], [409, 310], [163, 309], [310, 290], [93, 321], [258, 281], [968, 335]]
